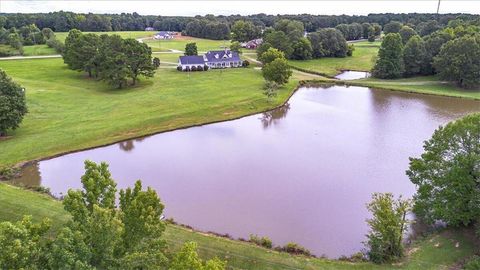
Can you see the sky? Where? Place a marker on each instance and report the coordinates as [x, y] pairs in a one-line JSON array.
[[198, 7]]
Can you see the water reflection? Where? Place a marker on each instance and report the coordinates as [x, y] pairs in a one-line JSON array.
[[352, 75], [30, 175], [273, 117], [129, 145], [306, 182]]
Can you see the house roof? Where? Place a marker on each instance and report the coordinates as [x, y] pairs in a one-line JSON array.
[[222, 56], [162, 33], [191, 60]]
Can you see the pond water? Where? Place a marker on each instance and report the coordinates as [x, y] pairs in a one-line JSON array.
[[352, 75], [300, 173]]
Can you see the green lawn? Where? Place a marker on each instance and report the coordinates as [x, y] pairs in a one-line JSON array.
[[68, 111], [421, 84], [362, 60], [38, 50], [179, 42], [124, 34], [436, 252]]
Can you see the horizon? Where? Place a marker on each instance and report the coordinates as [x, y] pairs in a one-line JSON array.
[[244, 8]]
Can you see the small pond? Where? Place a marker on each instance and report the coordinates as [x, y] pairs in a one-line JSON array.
[[300, 173], [352, 75]]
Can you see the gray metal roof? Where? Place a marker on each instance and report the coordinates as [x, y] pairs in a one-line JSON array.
[[192, 60], [222, 56]]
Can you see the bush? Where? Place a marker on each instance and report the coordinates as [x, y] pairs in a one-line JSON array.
[[7, 173], [6, 51], [350, 49], [55, 44], [200, 68], [179, 68], [187, 69], [261, 241], [294, 248], [245, 63], [194, 68], [473, 264], [205, 67]]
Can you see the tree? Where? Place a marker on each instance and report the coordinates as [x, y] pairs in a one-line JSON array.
[[406, 32], [366, 30], [187, 259], [243, 31], [138, 59], [302, 49], [12, 104], [270, 89], [21, 243], [156, 62], [270, 55], [15, 40], [294, 30], [69, 251], [433, 43], [414, 56], [262, 49], [71, 56], [426, 28], [328, 42], [277, 71], [191, 49], [280, 41], [48, 33], [389, 64], [371, 35], [447, 173], [392, 27], [387, 227], [236, 47], [459, 61], [343, 28], [113, 61]]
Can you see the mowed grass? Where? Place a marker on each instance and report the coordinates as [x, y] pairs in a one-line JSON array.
[[179, 42], [68, 111], [362, 60], [421, 84], [38, 50], [124, 34], [435, 252]]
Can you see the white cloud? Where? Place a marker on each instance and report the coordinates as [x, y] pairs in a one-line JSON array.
[[191, 8]]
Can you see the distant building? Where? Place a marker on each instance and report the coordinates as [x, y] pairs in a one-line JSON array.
[[163, 35], [252, 44], [188, 61], [222, 59], [149, 29]]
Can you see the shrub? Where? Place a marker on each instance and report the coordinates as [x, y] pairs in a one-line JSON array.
[[6, 51], [261, 241], [200, 68], [187, 69], [205, 67], [350, 49], [245, 63], [179, 68], [294, 248], [55, 44], [473, 264], [7, 173]]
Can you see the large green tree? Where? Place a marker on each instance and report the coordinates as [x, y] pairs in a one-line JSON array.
[[447, 174], [279, 40], [414, 56], [392, 27], [243, 31], [406, 32], [328, 42], [138, 59], [187, 259], [459, 61], [390, 64], [277, 71], [302, 49], [270, 55], [113, 61], [13, 106]]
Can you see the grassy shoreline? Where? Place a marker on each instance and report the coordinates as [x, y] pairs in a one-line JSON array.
[[429, 253]]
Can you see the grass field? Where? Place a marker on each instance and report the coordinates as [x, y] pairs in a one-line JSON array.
[[421, 84], [179, 42], [70, 112], [124, 34], [362, 60], [436, 252], [38, 50]]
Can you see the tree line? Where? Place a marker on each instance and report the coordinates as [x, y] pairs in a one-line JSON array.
[[109, 57], [25, 36], [452, 52], [65, 21]]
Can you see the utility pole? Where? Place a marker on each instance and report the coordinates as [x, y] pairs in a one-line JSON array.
[[438, 6]]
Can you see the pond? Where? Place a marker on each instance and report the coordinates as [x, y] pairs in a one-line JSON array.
[[352, 75], [301, 173]]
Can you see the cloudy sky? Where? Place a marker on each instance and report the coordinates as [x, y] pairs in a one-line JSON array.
[[197, 7]]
